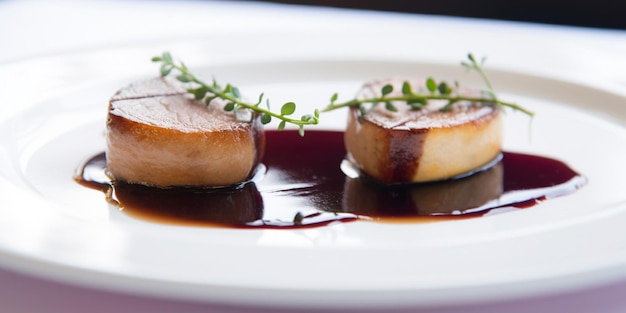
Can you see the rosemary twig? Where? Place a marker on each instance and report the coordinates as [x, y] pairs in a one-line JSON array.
[[435, 91], [230, 94]]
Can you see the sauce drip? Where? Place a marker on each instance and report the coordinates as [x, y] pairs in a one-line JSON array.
[[302, 185]]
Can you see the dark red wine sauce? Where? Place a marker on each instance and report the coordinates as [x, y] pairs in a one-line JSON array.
[[302, 185]]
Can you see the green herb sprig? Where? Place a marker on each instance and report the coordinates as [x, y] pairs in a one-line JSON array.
[[230, 94], [434, 91]]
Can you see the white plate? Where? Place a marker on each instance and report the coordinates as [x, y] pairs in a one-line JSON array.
[[51, 226]]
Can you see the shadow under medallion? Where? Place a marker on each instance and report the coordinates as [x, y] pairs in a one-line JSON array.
[[301, 184]]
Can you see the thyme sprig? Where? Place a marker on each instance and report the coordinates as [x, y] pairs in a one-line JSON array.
[[232, 97], [434, 91]]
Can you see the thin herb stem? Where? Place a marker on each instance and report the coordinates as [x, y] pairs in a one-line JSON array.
[[425, 97], [435, 91], [230, 95]]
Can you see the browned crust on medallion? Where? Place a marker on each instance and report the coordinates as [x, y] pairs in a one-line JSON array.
[[157, 86], [422, 145]]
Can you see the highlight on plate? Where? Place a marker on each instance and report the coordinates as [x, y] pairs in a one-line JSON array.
[[183, 151]]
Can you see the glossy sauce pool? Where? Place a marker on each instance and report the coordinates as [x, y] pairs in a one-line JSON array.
[[302, 185]]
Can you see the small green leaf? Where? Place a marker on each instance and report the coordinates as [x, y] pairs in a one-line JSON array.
[[288, 108], [387, 89], [448, 106], [416, 105], [282, 124], [334, 98], [157, 59], [260, 100], [431, 85], [166, 69], [444, 89], [389, 106], [406, 89], [266, 119], [184, 78], [198, 93], [316, 113], [167, 57], [471, 58], [229, 107], [235, 92], [209, 99]]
